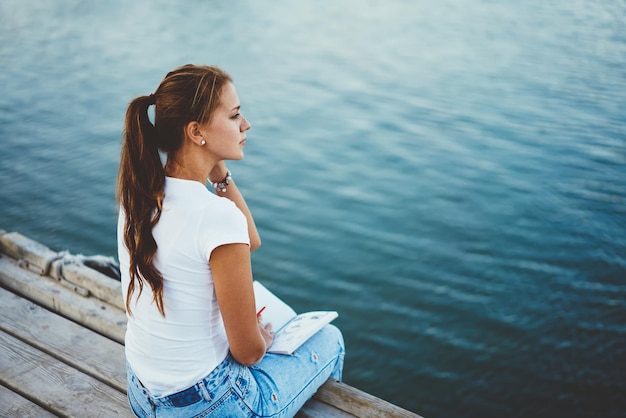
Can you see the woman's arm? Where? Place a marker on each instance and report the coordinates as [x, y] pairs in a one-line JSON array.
[[232, 192], [232, 277]]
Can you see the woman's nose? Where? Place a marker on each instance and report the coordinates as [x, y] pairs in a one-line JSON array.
[[245, 125]]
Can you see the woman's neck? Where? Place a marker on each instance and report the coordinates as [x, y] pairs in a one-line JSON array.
[[186, 171]]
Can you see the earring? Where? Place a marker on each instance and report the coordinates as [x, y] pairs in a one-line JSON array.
[[202, 142]]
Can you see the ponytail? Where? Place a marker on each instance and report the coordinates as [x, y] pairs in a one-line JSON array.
[[188, 93], [140, 190]]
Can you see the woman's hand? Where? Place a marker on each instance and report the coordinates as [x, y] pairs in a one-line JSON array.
[[266, 333], [218, 173]]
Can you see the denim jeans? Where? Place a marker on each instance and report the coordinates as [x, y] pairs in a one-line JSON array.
[[278, 386]]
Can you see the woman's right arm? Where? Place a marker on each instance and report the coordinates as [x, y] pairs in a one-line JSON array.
[[232, 277]]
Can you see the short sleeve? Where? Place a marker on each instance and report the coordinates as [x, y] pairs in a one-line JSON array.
[[222, 223]]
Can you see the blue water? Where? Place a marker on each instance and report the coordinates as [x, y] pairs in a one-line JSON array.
[[450, 176]]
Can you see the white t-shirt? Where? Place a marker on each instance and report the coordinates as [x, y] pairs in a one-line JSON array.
[[172, 353]]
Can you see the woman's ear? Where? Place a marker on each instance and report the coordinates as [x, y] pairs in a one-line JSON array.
[[192, 131]]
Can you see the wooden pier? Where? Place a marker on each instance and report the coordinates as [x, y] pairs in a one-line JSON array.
[[62, 330]]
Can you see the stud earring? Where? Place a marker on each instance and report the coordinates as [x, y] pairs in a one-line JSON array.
[[202, 142]]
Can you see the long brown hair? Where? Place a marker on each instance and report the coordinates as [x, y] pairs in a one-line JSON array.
[[186, 94]]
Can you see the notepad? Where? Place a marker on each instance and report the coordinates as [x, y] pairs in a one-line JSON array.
[[291, 329]]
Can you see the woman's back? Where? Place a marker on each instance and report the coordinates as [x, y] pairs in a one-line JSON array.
[[172, 352]]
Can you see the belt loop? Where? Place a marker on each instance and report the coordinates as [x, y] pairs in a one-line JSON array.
[[144, 391], [203, 390]]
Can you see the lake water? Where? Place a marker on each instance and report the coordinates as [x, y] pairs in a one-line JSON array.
[[450, 176]]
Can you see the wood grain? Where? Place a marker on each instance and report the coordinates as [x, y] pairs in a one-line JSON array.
[[92, 313], [14, 405], [357, 402], [63, 339], [54, 385], [317, 409], [37, 258]]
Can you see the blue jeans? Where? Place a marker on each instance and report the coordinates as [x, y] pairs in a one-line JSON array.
[[278, 386]]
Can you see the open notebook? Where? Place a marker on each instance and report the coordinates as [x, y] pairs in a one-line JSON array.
[[291, 330]]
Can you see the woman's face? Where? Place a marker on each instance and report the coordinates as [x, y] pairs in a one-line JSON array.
[[226, 131]]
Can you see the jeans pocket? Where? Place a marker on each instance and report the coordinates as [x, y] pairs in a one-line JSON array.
[[244, 385]]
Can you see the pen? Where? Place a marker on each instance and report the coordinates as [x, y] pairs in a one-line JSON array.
[[260, 311]]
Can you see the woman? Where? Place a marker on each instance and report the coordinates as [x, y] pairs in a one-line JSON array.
[[194, 345]]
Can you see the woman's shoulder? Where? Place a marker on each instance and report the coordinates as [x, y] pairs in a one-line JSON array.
[[196, 197], [220, 208]]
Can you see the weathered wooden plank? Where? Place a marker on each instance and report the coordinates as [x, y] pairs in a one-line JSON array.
[[14, 405], [55, 385], [33, 253], [99, 285], [92, 313], [77, 346], [37, 258], [357, 402], [317, 409]]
